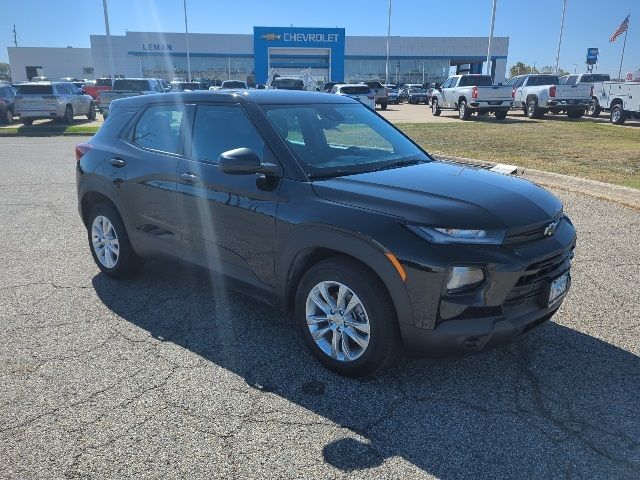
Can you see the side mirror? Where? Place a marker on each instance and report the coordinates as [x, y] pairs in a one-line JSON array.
[[244, 161]]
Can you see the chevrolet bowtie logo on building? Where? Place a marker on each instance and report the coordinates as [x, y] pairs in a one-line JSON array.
[[271, 36], [551, 228]]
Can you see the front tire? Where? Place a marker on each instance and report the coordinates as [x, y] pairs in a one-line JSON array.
[[500, 114], [383, 106], [27, 122], [346, 318], [435, 109], [463, 111], [109, 243]]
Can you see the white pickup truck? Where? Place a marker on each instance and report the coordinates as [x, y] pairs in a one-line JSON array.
[[127, 87], [539, 93], [594, 79], [471, 94], [621, 100]]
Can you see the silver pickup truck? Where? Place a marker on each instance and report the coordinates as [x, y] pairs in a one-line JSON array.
[[537, 94], [127, 87], [471, 94]]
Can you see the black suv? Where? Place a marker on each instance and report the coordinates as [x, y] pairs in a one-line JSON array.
[[327, 210], [7, 103]]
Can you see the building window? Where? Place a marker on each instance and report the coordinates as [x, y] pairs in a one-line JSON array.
[[87, 70]]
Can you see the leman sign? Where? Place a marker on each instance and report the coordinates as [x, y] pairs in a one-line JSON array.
[[157, 47]]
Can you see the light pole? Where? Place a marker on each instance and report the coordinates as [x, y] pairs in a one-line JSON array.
[[109, 49], [493, 21], [564, 7], [186, 36], [386, 69]]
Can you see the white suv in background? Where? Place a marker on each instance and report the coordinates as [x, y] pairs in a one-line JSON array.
[[57, 100], [360, 92]]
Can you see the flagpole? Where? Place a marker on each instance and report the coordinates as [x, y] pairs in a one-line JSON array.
[[186, 37], [622, 57], [491, 27], [386, 69], [564, 7]]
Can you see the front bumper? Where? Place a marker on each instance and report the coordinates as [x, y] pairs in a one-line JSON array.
[[465, 337], [575, 103]]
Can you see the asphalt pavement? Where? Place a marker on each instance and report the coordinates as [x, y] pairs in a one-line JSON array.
[[169, 375]]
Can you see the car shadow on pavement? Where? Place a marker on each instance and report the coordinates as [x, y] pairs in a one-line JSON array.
[[556, 403]]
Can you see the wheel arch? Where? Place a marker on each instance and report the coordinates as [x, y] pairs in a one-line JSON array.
[[310, 245], [616, 101]]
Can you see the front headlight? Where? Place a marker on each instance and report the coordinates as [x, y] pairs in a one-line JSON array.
[[459, 235]]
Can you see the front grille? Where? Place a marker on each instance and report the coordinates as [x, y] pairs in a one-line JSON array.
[[530, 232], [537, 276]]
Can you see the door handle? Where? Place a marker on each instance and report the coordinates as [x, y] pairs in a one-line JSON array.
[[117, 162], [190, 177]]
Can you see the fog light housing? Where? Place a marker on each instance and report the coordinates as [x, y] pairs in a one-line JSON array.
[[460, 279]]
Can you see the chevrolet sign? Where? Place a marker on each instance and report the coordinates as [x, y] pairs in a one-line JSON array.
[[271, 36], [311, 37]]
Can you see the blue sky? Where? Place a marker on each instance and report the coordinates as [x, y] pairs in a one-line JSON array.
[[588, 23]]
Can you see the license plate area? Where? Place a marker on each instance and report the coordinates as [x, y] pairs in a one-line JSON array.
[[557, 288]]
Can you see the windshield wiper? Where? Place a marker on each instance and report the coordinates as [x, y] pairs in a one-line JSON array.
[[399, 163], [333, 173]]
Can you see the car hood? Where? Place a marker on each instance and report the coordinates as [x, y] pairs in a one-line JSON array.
[[444, 194]]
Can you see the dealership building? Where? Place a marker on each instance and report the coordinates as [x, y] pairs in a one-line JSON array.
[[328, 54]]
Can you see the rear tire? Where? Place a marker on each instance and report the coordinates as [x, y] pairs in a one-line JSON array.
[[435, 109], [594, 109], [463, 111], [533, 111], [8, 117], [116, 258], [374, 318], [500, 114], [68, 115], [92, 111], [617, 116]]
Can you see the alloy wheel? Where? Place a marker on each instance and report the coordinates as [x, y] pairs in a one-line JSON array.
[[337, 321], [105, 241]]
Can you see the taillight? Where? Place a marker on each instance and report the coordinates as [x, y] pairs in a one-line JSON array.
[[82, 149], [474, 93], [513, 92], [552, 91], [591, 91]]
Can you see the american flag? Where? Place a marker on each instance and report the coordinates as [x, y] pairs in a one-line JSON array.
[[624, 26]]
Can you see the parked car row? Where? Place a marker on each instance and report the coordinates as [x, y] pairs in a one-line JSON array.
[[537, 95]]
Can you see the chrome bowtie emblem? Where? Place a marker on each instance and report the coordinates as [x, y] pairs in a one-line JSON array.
[[551, 228]]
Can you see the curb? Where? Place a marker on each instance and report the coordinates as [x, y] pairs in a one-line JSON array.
[[628, 197]]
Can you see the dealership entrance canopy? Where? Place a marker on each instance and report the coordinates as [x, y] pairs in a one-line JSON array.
[[328, 54]]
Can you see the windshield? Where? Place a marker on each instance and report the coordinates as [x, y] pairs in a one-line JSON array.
[[475, 81], [358, 90], [288, 84], [228, 84], [45, 89], [179, 86], [543, 80], [335, 139], [595, 78], [416, 90], [132, 85]]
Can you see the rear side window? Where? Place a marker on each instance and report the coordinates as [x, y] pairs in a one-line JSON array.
[[356, 90], [219, 128], [131, 85], [35, 89], [543, 80], [475, 80], [571, 80], [103, 82], [159, 128]]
